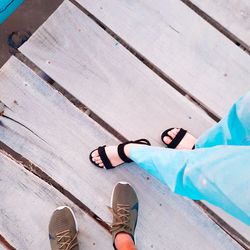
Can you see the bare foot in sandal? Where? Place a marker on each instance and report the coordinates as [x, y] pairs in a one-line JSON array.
[[112, 153], [111, 156], [178, 138]]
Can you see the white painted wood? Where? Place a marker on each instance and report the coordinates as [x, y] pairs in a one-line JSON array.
[[103, 75], [234, 15], [27, 204], [166, 221], [242, 228], [183, 45]]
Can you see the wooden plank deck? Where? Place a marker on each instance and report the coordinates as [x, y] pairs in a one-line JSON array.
[[91, 64], [111, 71], [27, 203], [182, 45], [65, 159], [56, 137], [231, 14]]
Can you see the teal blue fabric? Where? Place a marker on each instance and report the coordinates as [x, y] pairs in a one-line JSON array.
[[7, 7], [217, 170]]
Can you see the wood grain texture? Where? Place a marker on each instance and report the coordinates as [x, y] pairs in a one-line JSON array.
[[66, 136], [103, 75], [27, 204], [183, 45], [234, 15], [242, 228]]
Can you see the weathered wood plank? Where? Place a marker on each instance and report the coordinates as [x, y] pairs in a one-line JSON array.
[[234, 15], [26, 206], [242, 228], [103, 75], [183, 45], [66, 136]]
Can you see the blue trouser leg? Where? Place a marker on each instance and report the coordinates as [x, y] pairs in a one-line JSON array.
[[234, 129], [7, 7], [219, 175], [217, 171]]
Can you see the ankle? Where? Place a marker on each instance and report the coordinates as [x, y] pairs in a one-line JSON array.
[[124, 241], [128, 147]]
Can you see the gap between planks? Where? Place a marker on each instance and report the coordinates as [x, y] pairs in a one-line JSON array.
[[167, 79], [5, 243], [144, 60], [148, 63], [38, 172], [34, 169], [224, 225], [237, 41], [70, 97]]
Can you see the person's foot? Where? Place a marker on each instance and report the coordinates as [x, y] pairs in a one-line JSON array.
[[112, 156], [187, 142], [63, 230], [124, 207]]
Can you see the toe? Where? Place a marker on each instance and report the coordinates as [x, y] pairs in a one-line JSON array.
[[98, 161], [171, 134], [95, 154], [96, 158], [167, 139], [101, 165], [175, 131]]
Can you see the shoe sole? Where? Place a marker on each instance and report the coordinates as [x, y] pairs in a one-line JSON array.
[[62, 207], [111, 201]]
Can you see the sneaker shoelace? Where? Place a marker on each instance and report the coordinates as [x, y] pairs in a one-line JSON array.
[[121, 216], [65, 241]]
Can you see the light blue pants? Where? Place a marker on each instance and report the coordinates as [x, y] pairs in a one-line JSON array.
[[7, 7], [217, 170]]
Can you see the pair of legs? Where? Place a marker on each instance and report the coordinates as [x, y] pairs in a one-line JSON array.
[[217, 170], [63, 227]]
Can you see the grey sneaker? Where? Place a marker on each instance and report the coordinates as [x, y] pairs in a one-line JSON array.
[[124, 207], [63, 230]]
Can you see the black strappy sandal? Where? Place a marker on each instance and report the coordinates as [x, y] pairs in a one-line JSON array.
[[106, 162], [175, 141]]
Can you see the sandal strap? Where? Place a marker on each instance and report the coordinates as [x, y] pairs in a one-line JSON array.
[[174, 143], [102, 153], [142, 141], [121, 146], [121, 153]]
